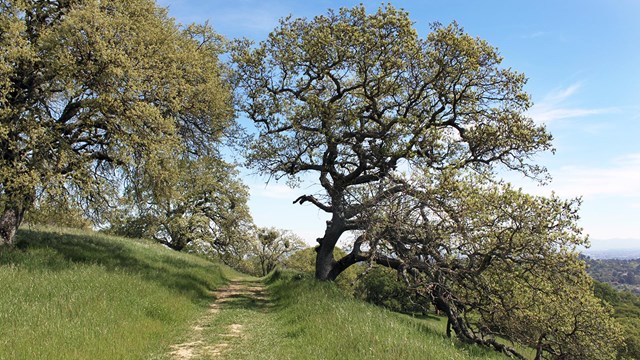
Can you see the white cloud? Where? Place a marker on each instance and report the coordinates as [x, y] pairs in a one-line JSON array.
[[590, 182], [611, 194], [556, 106], [621, 178]]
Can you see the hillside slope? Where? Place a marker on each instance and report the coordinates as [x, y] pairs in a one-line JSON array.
[[80, 295], [305, 319]]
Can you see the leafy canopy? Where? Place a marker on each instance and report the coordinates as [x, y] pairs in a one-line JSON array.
[[404, 135], [93, 91], [497, 262], [353, 97]]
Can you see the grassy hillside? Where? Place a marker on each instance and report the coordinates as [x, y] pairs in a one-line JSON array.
[[83, 295], [311, 320], [80, 295]]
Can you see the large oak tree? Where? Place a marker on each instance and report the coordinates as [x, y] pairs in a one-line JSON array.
[[354, 97], [404, 135], [91, 91]]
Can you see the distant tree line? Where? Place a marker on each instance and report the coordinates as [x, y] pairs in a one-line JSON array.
[[622, 274]]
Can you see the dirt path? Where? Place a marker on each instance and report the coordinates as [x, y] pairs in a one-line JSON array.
[[214, 333]]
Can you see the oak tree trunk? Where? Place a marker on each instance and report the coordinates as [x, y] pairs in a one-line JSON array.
[[9, 222], [325, 261]]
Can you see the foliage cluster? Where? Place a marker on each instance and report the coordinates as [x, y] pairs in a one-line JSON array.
[[383, 287], [626, 307], [273, 247], [58, 212], [110, 111], [205, 209], [498, 263], [304, 261]]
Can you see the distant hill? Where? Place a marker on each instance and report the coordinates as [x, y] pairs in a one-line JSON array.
[[613, 253], [614, 249], [622, 274]]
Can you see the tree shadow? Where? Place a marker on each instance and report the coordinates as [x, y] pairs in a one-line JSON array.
[[253, 297]]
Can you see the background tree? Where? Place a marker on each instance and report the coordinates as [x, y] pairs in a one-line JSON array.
[[92, 92], [623, 274], [354, 98], [57, 210], [627, 313], [273, 246], [302, 260], [205, 203]]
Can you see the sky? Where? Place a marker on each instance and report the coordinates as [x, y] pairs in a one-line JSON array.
[[582, 59]]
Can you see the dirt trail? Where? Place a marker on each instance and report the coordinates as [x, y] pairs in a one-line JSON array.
[[237, 294]]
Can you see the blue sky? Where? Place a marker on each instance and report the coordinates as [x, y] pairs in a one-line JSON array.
[[582, 59]]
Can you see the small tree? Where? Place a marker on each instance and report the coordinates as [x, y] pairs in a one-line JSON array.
[[273, 246], [205, 203], [94, 91]]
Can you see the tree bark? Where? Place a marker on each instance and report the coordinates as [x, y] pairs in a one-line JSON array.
[[325, 262], [9, 222], [324, 259]]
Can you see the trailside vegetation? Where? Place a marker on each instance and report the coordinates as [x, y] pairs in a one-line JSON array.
[[497, 262], [626, 307], [70, 294]]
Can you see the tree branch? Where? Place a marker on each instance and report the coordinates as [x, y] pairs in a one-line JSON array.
[[310, 198]]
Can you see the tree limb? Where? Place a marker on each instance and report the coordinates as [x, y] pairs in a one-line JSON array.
[[310, 198]]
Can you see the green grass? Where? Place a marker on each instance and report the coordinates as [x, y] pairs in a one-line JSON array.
[[312, 320], [81, 295]]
